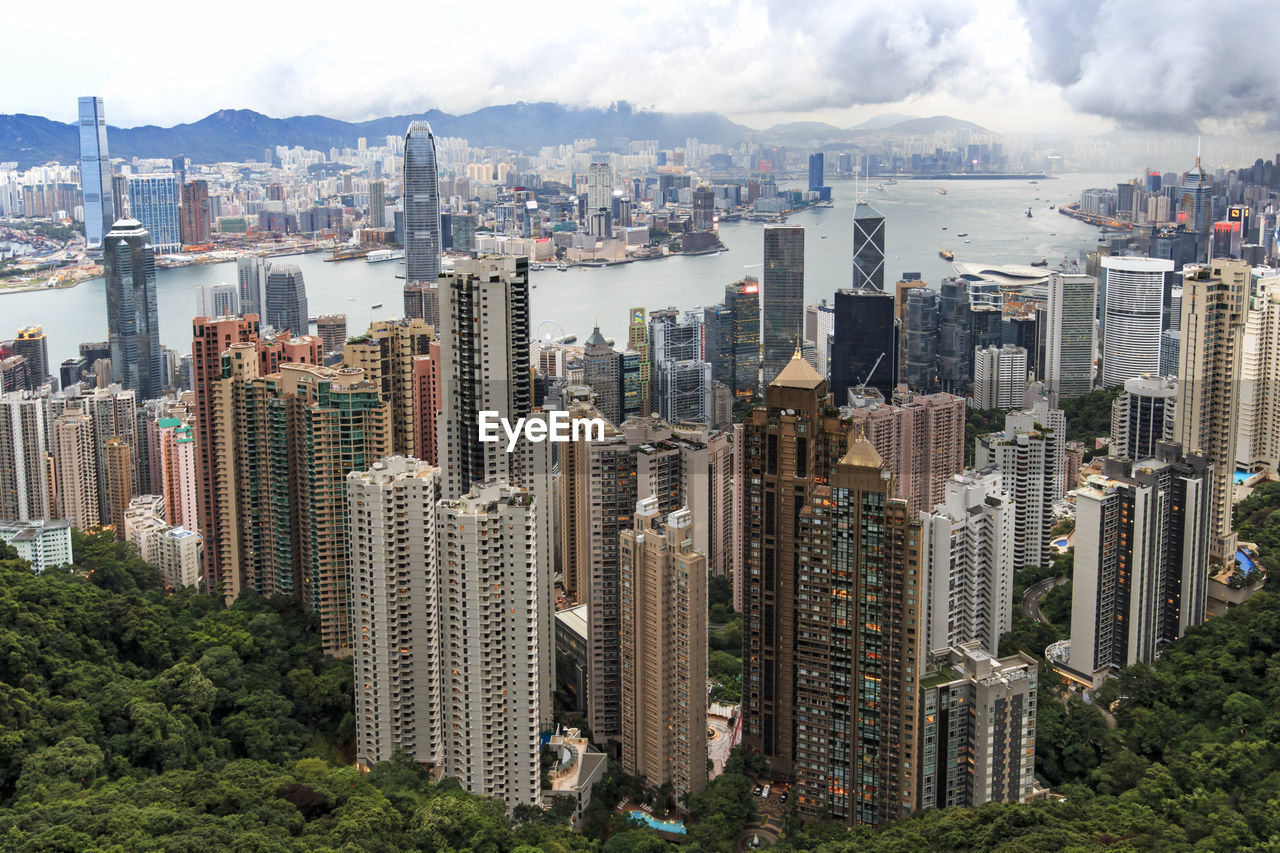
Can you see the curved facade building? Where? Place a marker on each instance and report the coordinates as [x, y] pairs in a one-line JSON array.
[[421, 205], [1133, 317]]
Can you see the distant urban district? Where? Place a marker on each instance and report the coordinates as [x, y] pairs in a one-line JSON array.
[[980, 563]]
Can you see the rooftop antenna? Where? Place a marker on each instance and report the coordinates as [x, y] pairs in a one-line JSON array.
[[1197, 151]]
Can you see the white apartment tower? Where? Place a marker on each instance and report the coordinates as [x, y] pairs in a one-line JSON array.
[[968, 556], [999, 377], [1258, 429], [491, 594], [395, 610], [25, 493]]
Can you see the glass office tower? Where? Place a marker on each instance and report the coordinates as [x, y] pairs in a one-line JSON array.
[[95, 173]]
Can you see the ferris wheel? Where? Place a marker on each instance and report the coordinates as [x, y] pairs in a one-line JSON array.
[[548, 331]]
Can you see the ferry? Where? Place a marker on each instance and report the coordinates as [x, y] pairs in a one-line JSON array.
[[379, 255], [946, 254], [1043, 262]]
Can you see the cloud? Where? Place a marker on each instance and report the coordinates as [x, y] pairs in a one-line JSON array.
[[1176, 66]]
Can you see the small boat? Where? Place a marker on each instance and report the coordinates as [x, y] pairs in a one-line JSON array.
[[1028, 213], [944, 228], [963, 234], [1053, 233], [968, 241], [1043, 262], [879, 187], [946, 254], [890, 182], [942, 190], [823, 237], [562, 267], [1053, 207], [378, 305]]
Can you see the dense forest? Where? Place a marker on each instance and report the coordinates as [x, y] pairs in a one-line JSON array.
[[135, 719]]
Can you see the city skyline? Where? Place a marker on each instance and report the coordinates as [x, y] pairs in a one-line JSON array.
[[1003, 65]]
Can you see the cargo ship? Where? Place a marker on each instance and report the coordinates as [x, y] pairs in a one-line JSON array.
[[946, 254]]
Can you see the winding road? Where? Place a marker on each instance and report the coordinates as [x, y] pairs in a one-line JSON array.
[[1031, 598]]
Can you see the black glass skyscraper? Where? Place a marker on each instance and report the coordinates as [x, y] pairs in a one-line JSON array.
[[817, 164], [868, 247], [864, 346], [783, 296], [287, 299], [133, 321]]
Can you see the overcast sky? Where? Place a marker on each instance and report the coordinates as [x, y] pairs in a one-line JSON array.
[[1011, 65]]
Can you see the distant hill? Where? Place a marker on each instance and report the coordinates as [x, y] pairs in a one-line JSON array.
[[245, 134], [881, 121], [933, 124]]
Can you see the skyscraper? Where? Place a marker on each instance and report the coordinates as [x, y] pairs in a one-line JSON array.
[[1141, 573], [783, 296], [386, 353], [858, 645], [968, 563], [1070, 338], [377, 204], [286, 299], [664, 650], [332, 331], [638, 342], [920, 339], [155, 201], [217, 300], [819, 326], [868, 248], [1132, 317], [681, 379], [195, 213], [602, 370], [492, 638], [1213, 318], [864, 346], [1257, 432], [999, 377], [817, 170], [251, 275], [395, 601], [1143, 415], [599, 186], [95, 173], [33, 344], [422, 245], [25, 493], [978, 724], [789, 445], [77, 473], [133, 321]]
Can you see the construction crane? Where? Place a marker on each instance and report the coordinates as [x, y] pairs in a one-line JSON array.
[[870, 373]]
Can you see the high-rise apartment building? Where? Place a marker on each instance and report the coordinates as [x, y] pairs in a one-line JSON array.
[[395, 610], [638, 342], [96, 187], [427, 395], [999, 377], [789, 446], [422, 243], [783, 296], [599, 186], [1132, 316], [1258, 422], [176, 460], [1214, 305], [484, 357], [218, 300], [133, 320], [25, 488], [858, 645], [1031, 457], [968, 563], [117, 487], [196, 219], [1070, 336], [386, 353], [377, 204], [1143, 415], [286, 299], [491, 640], [868, 248], [977, 728], [1142, 543], [76, 469], [920, 437], [864, 345], [154, 201], [216, 429], [664, 650]]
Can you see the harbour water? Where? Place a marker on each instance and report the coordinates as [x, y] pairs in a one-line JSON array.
[[918, 221]]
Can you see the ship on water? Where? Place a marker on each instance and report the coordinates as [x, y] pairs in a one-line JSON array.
[[380, 255]]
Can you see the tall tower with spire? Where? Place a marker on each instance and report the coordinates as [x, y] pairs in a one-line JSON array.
[[868, 244]]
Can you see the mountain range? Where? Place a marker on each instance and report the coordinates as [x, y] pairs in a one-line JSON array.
[[243, 135]]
